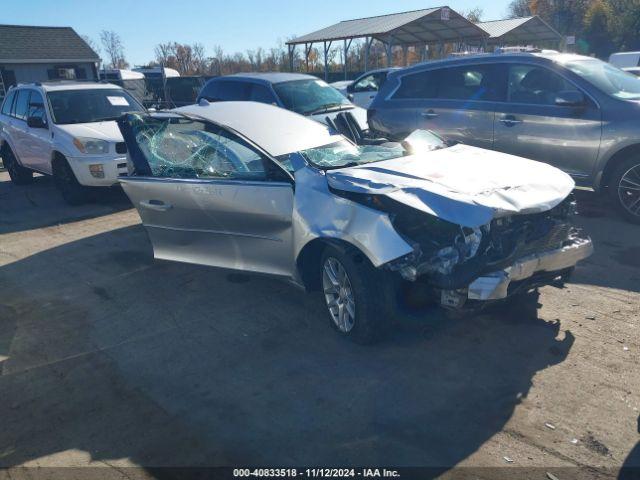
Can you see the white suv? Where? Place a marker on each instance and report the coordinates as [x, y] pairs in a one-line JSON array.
[[67, 130]]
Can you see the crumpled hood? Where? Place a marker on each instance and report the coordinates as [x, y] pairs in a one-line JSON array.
[[108, 131], [464, 185]]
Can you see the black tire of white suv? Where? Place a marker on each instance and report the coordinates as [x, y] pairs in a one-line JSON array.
[[19, 174], [624, 188], [66, 181]]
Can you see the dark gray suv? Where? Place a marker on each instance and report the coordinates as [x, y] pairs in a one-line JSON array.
[[577, 113]]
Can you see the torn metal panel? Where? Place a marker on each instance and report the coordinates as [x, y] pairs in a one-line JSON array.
[[464, 185], [318, 213]]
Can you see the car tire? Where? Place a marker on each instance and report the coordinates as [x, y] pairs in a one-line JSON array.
[[624, 188], [354, 294], [67, 183], [19, 175]]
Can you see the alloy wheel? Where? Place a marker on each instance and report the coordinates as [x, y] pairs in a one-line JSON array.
[[629, 190], [338, 294]]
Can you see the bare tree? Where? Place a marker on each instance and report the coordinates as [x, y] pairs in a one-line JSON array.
[[113, 48], [474, 15]]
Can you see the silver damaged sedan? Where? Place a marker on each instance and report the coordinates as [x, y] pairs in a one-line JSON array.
[[252, 187]]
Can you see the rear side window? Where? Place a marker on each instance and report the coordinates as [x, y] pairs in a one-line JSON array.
[[418, 85], [469, 82], [210, 91], [8, 102], [227, 91], [21, 106]]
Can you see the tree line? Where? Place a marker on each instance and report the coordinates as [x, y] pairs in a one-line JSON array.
[[599, 26]]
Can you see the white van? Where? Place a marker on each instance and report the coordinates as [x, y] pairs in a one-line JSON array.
[[625, 60]]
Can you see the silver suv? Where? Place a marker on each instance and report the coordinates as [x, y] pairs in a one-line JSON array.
[[577, 113]]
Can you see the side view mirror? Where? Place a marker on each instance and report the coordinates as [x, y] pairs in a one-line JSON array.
[[570, 98], [36, 122], [350, 97], [350, 88]]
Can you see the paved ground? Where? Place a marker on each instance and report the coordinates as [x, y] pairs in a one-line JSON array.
[[108, 357]]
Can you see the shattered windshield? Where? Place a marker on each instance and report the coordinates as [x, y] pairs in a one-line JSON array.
[[310, 97], [345, 154]]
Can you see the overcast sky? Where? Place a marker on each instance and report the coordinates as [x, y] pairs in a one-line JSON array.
[[236, 25]]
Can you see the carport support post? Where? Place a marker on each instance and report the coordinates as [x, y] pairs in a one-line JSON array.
[[389, 50], [346, 56], [405, 50], [291, 50], [367, 47], [326, 63]]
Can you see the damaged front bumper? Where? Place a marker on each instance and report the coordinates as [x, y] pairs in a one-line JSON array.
[[527, 272]]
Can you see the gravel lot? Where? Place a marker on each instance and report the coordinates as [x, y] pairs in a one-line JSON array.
[[109, 358]]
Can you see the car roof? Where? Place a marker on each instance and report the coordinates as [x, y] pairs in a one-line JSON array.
[[70, 85], [276, 130], [268, 77], [546, 56]]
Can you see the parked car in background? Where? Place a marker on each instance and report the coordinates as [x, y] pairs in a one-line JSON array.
[[363, 89], [253, 187], [625, 60], [68, 130], [303, 94], [577, 113]]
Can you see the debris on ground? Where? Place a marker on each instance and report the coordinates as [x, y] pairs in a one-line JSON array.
[[508, 459], [574, 441], [551, 476], [595, 445], [550, 426], [590, 317]]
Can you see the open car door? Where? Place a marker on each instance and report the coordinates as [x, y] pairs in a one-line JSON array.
[[208, 196]]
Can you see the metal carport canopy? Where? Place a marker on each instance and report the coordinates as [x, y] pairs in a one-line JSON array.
[[520, 31], [429, 26]]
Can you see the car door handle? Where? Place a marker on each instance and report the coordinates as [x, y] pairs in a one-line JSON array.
[[429, 114], [157, 205], [510, 121]]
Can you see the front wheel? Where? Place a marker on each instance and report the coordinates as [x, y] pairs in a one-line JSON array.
[[624, 188], [18, 174], [66, 181], [354, 295]]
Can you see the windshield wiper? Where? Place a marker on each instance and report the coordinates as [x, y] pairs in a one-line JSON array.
[[332, 107]]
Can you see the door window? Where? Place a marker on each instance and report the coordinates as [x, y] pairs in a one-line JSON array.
[[21, 106], [472, 82], [36, 106], [233, 91], [418, 85], [178, 147], [535, 85]]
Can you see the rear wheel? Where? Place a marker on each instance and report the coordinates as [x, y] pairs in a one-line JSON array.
[[66, 181], [354, 294], [624, 188], [19, 174]]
